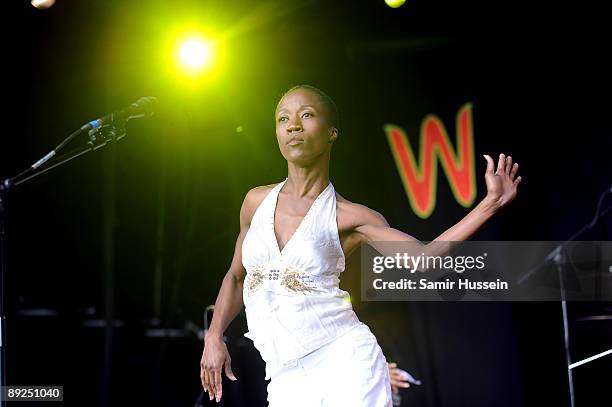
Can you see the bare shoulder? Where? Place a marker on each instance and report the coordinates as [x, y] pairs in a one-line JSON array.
[[257, 194], [351, 215], [254, 197]]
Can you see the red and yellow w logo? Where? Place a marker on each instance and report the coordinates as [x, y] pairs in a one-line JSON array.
[[420, 182]]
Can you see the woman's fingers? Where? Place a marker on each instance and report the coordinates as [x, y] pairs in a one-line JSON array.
[[203, 379], [228, 369], [505, 165], [501, 164], [209, 388], [514, 170], [490, 164], [206, 385], [517, 180], [218, 385]]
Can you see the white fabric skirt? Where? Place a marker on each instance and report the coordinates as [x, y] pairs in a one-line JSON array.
[[349, 371]]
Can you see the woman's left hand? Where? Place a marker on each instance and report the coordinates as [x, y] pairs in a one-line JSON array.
[[501, 184]]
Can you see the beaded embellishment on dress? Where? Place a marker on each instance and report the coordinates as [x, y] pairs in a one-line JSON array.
[[294, 280], [254, 279]]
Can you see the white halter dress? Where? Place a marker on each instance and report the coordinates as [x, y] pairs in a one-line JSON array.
[[292, 298]]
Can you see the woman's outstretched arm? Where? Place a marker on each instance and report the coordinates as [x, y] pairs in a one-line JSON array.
[[371, 226]]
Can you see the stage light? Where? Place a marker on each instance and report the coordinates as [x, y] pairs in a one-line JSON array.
[[42, 4], [195, 54], [394, 3]]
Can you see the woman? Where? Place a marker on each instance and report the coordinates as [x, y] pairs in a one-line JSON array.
[[294, 238]]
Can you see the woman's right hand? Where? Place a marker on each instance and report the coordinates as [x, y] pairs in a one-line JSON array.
[[215, 357]]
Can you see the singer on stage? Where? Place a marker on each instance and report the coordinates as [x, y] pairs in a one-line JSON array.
[[294, 238]]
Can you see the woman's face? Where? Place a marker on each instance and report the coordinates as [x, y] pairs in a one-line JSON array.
[[303, 130]]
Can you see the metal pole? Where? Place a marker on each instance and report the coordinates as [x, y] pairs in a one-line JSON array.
[[560, 260]]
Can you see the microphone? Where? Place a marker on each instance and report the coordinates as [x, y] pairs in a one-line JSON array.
[[143, 107]]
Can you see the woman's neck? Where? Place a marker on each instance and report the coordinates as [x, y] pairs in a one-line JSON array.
[[306, 181]]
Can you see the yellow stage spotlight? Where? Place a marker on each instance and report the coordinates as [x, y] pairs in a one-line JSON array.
[[394, 3], [194, 58], [195, 54]]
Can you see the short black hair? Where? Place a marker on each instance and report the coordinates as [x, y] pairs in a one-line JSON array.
[[329, 103]]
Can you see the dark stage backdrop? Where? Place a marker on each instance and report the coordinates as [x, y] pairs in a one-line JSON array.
[[538, 88]]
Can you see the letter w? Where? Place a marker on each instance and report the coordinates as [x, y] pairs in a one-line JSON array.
[[420, 182]]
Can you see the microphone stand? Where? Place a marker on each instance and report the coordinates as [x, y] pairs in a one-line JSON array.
[[98, 138], [558, 256]]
